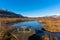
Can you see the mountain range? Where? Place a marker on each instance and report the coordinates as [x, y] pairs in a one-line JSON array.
[[54, 16], [5, 13], [9, 14]]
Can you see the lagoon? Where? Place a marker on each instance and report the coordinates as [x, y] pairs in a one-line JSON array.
[[35, 26]]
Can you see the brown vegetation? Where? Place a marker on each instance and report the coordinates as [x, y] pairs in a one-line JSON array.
[[52, 24]]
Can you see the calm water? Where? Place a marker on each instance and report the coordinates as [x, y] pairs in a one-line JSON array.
[[36, 26], [29, 24]]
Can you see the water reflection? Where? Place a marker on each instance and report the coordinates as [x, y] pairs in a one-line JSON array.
[[44, 35], [30, 24], [40, 34]]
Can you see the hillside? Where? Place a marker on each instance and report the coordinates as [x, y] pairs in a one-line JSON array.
[[54, 16], [8, 14]]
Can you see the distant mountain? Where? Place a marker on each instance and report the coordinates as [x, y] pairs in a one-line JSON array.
[[5, 13], [54, 16]]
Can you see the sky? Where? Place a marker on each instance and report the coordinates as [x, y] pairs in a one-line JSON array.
[[32, 8]]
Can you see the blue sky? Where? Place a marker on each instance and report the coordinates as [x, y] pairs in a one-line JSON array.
[[32, 8]]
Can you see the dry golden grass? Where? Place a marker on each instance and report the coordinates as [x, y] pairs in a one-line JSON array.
[[52, 24], [5, 23]]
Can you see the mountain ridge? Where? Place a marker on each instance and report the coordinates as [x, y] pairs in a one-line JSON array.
[[9, 14], [53, 16]]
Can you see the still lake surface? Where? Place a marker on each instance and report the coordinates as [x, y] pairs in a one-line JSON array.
[[36, 26], [29, 24]]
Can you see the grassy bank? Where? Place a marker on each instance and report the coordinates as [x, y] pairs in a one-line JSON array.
[[51, 24]]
